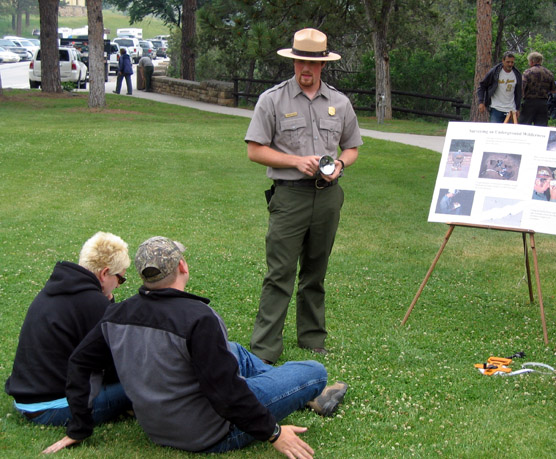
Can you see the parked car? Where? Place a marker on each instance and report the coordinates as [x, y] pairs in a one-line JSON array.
[[8, 56], [132, 46], [148, 49], [161, 47], [23, 54], [22, 43], [71, 68], [114, 57]]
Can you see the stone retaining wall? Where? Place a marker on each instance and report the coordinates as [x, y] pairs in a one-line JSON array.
[[210, 91]]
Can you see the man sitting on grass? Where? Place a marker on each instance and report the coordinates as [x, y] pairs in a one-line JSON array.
[[190, 387]]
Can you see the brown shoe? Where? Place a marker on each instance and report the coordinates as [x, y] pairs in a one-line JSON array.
[[330, 398]]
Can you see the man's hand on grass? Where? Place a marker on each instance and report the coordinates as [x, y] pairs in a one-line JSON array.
[[291, 445]]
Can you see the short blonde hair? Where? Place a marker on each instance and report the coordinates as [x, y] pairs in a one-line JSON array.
[[104, 250]]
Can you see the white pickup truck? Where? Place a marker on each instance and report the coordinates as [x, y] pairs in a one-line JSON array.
[[114, 57], [71, 68]]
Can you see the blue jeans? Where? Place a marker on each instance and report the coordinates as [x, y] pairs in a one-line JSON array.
[[109, 404], [282, 390], [119, 78], [496, 116]]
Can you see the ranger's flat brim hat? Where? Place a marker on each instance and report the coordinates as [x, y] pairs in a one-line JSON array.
[[309, 45]]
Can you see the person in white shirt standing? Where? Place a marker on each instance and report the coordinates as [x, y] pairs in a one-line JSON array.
[[501, 89]]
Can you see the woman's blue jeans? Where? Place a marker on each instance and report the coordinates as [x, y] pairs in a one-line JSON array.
[[109, 404], [282, 390]]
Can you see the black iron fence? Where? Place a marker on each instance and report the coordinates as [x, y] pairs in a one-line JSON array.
[[365, 100]]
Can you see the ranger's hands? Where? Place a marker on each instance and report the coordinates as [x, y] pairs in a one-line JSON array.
[[291, 445], [308, 165], [60, 444]]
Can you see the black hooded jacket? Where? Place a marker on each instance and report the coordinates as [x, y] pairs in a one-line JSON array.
[[65, 310]]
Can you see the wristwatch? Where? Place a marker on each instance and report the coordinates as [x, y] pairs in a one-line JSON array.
[[276, 433], [343, 167]]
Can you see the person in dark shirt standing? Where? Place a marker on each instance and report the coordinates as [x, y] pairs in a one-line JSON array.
[[500, 90], [538, 83]]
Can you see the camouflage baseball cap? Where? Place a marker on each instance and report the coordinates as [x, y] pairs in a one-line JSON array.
[[157, 258]]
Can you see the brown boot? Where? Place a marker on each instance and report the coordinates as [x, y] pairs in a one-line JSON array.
[[330, 398]]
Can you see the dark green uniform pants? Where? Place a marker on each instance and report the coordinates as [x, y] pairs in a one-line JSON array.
[[302, 226]]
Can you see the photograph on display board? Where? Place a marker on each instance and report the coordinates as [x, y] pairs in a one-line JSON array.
[[459, 158], [502, 212], [544, 188], [455, 202], [551, 145], [500, 166]]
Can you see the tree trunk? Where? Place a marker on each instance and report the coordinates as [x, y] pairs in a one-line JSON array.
[[188, 33], [499, 31], [97, 96], [18, 24], [483, 61], [50, 70], [378, 15], [383, 94]]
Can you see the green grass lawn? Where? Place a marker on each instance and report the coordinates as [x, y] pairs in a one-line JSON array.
[[112, 19], [140, 168]]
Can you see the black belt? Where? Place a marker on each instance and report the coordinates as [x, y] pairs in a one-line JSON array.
[[319, 184]]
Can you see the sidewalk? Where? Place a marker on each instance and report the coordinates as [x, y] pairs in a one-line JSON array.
[[434, 143]]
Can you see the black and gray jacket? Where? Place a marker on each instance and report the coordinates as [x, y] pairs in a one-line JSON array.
[[171, 354]]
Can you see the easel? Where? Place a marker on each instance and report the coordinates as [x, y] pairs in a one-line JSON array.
[[524, 233]]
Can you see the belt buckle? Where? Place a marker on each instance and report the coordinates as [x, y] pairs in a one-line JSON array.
[[320, 187]]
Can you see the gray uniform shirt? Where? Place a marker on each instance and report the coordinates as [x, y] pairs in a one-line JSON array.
[[286, 120]]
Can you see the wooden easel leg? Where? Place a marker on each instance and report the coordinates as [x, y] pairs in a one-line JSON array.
[[539, 292], [431, 269], [527, 267]]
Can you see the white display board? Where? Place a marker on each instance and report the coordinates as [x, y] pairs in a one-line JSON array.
[[501, 175]]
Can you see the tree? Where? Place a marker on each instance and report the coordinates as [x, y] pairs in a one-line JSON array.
[[170, 11], [17, 8], [188, 34], [50, 70], [173, 12], [483, 61], [516, 21], [97, 97], [240, 38], [378, 14]]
